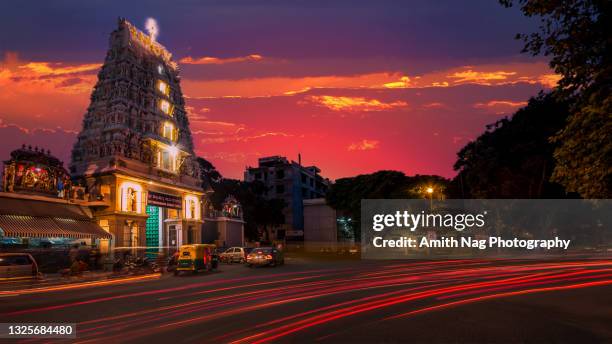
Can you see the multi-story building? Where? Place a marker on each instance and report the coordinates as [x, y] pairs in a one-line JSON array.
[[135, 151], [291, 182]]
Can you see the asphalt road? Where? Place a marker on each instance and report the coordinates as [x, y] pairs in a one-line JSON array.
[[337, 301]]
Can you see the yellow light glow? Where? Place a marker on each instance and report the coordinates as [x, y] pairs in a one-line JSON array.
[[173, 151], [163, 88], [192, 201], [165, 106], [168, 131], [123, 195], [430, 190]]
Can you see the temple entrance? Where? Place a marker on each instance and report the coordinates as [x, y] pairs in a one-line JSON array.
[[152, 233]]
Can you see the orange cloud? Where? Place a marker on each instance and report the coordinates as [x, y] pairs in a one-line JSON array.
[[549, 80], [490, 75], [478, 77], [225, 137], [217, 61], [404, 82], [363, 145], [355, 103], [46, 77], [273, 86], [498, 103], [433, 105]]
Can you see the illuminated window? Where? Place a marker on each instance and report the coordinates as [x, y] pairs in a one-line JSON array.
[[104, 225], [167, 158], [165, 106], [168, 131], [192, 209], [173, 214], [163, 87], [166, 161], [160, 69]]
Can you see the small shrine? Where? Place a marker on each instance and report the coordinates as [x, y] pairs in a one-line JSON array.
[[35, 171], [231, 207]]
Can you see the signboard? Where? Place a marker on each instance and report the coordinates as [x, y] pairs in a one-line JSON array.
[[164, 200]]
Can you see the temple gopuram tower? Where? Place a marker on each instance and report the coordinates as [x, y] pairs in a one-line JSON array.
[[135, 153]]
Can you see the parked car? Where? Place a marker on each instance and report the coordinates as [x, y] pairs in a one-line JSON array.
[[18, 265], [235, 254], [197, 257], [267, 256]]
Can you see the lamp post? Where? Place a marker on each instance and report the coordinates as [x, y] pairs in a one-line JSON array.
[[430, 191]]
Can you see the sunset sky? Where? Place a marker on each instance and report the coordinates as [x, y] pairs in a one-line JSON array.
[[354, 86]]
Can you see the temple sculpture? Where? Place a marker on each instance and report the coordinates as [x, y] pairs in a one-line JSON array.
[[35, 171]]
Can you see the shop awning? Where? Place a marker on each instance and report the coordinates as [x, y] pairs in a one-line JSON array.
[[33, 218], [47, 227]]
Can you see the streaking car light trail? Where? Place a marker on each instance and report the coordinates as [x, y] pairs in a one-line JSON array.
[[284, 304]]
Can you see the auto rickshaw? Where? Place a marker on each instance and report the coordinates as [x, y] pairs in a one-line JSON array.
[[196, 257]]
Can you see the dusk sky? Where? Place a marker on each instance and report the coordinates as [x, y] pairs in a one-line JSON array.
[[354, 86]]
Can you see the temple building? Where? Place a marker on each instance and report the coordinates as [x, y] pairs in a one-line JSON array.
[[134, 153]]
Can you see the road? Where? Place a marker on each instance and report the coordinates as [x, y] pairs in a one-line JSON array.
[[336, 302]]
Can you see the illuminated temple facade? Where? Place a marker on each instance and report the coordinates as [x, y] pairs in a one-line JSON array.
[[135, 153]]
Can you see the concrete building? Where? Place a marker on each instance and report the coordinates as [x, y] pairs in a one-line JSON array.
[[134, 153], [293, 183], [320, 226]]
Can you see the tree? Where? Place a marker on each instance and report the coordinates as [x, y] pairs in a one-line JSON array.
[[576, 34], [208, 171], [514, 157], [345, 194]]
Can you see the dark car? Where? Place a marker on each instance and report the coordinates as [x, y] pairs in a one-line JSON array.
[[265, 256]]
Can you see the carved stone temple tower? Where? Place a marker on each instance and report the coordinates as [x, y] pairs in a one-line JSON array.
[[135, 153]]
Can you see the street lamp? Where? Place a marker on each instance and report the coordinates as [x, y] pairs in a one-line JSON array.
[[430, 191]]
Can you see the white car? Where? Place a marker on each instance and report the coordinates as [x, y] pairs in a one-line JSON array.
[[18, 265], [235, 254]]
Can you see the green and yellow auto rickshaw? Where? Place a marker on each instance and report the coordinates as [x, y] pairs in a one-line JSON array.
[[197, 257]]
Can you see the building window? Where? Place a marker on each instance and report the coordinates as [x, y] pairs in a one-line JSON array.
[[104, 225], [168, 131], [130, 235], [167, 158], [173, 214], [166, 107], [160, 69], [166, 161], [163, 88]]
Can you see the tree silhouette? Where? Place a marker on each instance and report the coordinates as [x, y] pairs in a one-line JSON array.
[[514, 157], [576, 35]]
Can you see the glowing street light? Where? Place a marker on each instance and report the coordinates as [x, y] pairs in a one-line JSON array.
[[430, 191]]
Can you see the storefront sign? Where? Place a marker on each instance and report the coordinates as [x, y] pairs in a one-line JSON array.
[[164, 200]]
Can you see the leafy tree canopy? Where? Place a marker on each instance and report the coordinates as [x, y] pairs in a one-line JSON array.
[[576, 34], [345, 194], [514, 157]]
